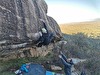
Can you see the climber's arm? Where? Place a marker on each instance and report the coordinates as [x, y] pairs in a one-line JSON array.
[[64, 62], [45, 27], [63, 56]]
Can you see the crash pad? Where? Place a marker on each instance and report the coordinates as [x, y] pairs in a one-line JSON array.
[[35, 69]]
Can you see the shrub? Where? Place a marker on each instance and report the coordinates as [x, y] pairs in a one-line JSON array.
[[82, 46]]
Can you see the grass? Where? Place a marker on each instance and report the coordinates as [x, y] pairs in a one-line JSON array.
[[9, 66], [7, 73], [89, 28]]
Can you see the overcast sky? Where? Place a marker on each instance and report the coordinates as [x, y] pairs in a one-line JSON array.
[[66, 11]]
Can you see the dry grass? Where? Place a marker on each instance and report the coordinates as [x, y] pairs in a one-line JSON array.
[[89, 28]]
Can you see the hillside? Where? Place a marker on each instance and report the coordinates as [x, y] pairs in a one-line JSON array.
[[90, 28]]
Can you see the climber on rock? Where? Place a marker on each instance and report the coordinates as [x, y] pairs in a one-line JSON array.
[[67, 63], [45, 38]]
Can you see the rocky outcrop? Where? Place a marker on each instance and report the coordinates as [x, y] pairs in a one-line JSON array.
[[20, 20], [55, 68]]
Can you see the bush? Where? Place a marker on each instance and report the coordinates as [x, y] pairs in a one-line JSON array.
[[82, 46]]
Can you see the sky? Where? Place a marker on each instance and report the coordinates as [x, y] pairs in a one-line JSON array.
[[67, 11]]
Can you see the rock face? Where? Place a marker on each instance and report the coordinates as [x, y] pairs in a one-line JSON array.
[[20, 20]]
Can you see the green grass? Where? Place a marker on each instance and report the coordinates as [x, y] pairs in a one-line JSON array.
[[7, 66], [7, 73]]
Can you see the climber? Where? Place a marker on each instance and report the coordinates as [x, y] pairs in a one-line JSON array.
[[67, 63], [45, 38]]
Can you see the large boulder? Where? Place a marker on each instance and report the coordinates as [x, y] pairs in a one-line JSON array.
[[20, 20]]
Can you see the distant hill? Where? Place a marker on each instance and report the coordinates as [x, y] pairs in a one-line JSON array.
[[90, 28], [97, 19]]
